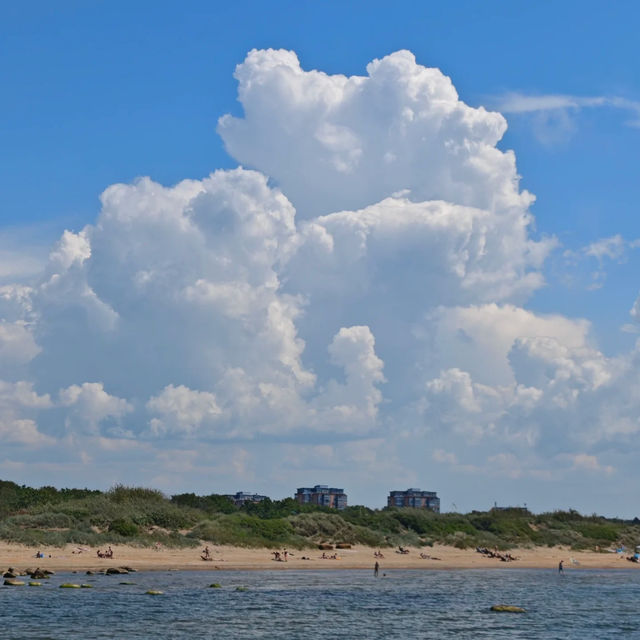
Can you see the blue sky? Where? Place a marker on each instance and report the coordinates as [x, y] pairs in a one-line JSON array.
[[106, 92], [103, 93]]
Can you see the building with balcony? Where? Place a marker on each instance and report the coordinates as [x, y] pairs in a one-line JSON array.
[[323, 496], [241, 497], [414, 498]]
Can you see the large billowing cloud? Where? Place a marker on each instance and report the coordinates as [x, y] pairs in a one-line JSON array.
[[352, 303], [335, 143]]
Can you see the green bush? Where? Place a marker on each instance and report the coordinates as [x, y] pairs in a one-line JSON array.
[[45, 520], [598, 531], [144, 517], [124, 528], [122, 494]]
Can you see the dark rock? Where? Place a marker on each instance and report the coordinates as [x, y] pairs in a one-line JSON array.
[[37, 574]]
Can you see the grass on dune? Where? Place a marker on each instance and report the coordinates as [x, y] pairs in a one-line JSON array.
[[145, 517]]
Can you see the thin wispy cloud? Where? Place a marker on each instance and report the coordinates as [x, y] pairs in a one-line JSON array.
[[605, 251], [523, 103], [554, 117]]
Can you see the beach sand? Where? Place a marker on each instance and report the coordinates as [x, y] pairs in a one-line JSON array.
[[73, 558]]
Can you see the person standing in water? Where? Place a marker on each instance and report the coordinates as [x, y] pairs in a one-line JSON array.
[[560, 566], [376, 568]]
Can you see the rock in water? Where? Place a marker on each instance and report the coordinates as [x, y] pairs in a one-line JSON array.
[[154, 592], [507, 608], [33, 583], [37, 574], [69, 585], [10, 582]]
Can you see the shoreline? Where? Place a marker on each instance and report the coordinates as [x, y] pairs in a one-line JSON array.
[[226, 558]]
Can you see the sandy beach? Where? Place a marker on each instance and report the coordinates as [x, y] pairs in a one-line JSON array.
[[74, 558]]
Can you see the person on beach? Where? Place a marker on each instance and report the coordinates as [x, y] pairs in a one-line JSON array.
[[560, 566], [376, 568]]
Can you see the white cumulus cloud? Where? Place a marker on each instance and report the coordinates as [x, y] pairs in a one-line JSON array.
[[336, 142], [354, 301]]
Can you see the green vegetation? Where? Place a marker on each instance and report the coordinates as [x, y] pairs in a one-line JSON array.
[[145, 517]]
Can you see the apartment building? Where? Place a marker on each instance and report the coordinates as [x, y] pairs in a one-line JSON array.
[[415, 498], [322, 495]]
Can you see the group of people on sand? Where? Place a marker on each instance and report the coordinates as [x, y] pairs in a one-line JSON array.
[[105, 554], [282, 556], [402, 550], [504, 557], [378, 554], [333, 556]]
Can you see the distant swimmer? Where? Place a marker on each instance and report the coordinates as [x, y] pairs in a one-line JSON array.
[[376, 568], [560, 566]]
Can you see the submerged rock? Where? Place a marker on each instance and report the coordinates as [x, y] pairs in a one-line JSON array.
[[215, 585], [86, 586], [33, 583], [69, 585], [154, 592], [507, 608], [114, 571], [10, 582]]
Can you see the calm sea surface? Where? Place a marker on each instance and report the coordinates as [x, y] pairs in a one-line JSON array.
[[328, 604]]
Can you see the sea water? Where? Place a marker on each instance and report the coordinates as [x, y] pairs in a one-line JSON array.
[[328, 604]]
